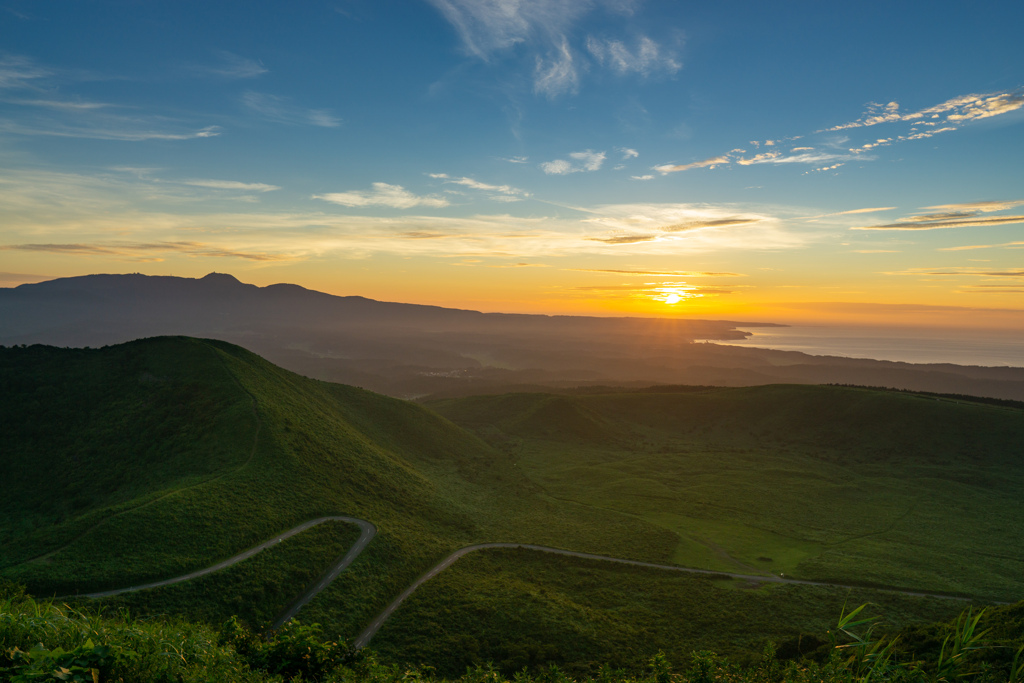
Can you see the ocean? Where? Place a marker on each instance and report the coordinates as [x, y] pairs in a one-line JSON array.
[[963, 347]]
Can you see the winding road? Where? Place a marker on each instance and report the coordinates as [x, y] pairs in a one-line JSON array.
[[364, 638], [369, 531]]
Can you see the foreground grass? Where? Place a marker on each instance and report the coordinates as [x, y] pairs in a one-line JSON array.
[[518, 608], [45, 641]]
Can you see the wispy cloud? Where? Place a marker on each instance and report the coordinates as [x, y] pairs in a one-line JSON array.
[[802, 158], [41, 113], [694, 226], [488, 26], [131, 130], [141, 251], [642, 177], [231, 65], [587, 160], [834, 151], [867, 210], [383, 194], [628, 153], [65, 105], [962, 215], [645, 58], [557, 73], [17, 72], [985, 206], [957, 110], [968, 247], [624, 239], [665, 169], [992, 289], [113, 211], [970, 271], [231, 185], [282, 110], [546, 31], [507, 192]]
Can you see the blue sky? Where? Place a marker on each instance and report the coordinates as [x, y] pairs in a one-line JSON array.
[[613, 157]]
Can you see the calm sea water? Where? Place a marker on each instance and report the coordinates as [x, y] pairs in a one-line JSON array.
[[984, 347]]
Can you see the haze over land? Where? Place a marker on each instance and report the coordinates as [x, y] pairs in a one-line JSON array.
[[412, 351]]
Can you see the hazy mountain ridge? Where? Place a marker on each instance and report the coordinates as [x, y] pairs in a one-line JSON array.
[[413, 350]]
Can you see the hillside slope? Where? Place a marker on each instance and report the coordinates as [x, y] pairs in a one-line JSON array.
[[827, 483], [143, 461]]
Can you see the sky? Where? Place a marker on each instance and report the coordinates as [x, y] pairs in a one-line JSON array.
[[854, 163]]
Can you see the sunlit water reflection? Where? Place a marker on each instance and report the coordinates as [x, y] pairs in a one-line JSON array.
[[963, 347]]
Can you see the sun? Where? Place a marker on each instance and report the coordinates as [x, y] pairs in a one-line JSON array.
[[673, 298]]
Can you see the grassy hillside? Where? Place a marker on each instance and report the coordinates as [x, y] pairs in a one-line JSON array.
[[581, 614], [829, 483], [88, 433], [147, 460], [248, 450]]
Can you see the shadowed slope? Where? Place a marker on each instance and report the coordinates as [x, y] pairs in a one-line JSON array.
[[302, 449], [164, 432]]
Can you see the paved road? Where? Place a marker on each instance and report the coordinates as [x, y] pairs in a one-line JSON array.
[[368, 532], [371, 630]]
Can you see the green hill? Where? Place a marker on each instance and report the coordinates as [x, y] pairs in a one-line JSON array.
[[147, 460], [829, 483]]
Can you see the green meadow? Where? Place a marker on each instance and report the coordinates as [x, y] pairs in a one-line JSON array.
[[839, 484], [147, 460]]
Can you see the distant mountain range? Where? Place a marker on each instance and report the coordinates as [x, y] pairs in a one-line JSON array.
[[411, 350]]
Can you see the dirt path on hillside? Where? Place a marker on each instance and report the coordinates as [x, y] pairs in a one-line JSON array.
[[364, 638], [368, 532]]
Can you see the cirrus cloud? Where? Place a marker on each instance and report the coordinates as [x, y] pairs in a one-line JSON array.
[[282, 110], [546, 32], [383, 194], [587, 160], [831, 151], [963, 215], [231, 185]]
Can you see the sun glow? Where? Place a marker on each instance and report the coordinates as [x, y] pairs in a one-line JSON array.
[[675, 294]]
